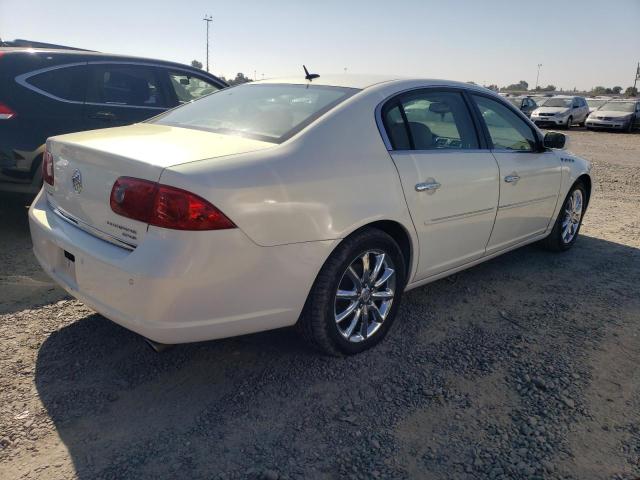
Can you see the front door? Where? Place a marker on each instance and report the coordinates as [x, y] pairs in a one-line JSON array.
[[529, 176], [450, 182]]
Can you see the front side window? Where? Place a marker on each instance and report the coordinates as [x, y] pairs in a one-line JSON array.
[[67, 83], [507, 130], [188, 87], [133, 85], [429, 120], [267, 112]]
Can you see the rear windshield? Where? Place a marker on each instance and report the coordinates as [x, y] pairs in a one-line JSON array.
[[267, 112]]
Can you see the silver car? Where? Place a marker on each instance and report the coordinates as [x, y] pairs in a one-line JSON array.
[[596, 103], [561, 111], [616, 115]]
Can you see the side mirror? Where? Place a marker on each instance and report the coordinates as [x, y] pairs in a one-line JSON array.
[[554, 140]]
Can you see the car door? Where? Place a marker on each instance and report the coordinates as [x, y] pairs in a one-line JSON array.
[[121, 94], [637, 116], [530, 176], [450, 179]]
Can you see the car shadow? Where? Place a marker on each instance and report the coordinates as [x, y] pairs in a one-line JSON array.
[[266, 400], [24, 285]]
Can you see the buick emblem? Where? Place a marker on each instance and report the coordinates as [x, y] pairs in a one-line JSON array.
[[76, 180]]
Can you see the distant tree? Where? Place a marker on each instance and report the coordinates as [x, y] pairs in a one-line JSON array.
[[616, 90], [631, 92], [196, 64], [494, 87], [599, 90], [240, 78], [521, 85], [549, 88]]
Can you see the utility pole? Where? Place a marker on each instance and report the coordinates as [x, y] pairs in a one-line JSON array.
[[538, 75], [208, 19], [637, 77]]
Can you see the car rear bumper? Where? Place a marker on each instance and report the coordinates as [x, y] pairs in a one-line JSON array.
[[178, 286]]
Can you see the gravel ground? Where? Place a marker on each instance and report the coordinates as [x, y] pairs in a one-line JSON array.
[[522, 367]]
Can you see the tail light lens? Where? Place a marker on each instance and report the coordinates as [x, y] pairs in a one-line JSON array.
[[47, 167], [165, 206], [5, 112]]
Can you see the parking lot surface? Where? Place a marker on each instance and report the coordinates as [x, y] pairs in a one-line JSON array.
[[525, 366]]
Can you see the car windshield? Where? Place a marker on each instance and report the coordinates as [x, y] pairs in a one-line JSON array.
[[516, 101], [267, 112], [595, 103], [619, 107], [540, 100], [558, 102]]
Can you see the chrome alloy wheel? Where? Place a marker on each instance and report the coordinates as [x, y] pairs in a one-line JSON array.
[[364, 296], [572, 216]]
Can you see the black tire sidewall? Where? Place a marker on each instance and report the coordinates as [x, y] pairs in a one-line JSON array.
[[371, 241]]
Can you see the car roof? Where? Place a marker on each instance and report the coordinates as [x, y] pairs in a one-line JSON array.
[[91, 54], [362, 82]]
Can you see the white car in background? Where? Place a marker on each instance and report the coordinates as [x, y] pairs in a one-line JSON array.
[[616, 115], [561, 111], [289, 202]]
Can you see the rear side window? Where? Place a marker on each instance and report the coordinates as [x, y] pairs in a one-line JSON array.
[[507, 130], [429, 120], [133, 85], [67, 83], [188, 87]]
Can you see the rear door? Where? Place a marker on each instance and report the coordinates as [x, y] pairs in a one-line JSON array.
[[122, 93], [450, 181], [529, 176]]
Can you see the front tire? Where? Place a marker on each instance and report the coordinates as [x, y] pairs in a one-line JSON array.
[[569, 122], [355, 297], [567, 226]]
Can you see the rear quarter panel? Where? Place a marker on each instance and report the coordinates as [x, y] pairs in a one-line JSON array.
[[323, 184]]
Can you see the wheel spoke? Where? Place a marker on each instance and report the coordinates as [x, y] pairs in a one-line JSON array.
[[347, 294], [354, 322], [364, 324], [376, 313], [388, 273], [378, 266], [383, 295], [354, 277], [347, 311], [366, 269]]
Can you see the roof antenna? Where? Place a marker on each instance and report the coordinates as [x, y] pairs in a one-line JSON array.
[[309, 76]]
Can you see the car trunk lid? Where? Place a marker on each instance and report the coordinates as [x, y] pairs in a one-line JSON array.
[[87, 164]]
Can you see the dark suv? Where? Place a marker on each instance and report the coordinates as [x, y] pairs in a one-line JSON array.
[[50, 92]]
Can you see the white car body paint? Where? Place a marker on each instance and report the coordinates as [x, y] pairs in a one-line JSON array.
[[292, 202]]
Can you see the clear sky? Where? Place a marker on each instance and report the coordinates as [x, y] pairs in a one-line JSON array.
[[581, 43]]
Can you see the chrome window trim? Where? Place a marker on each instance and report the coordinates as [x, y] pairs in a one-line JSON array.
[[443, 150], [22, 81], [76, 222]]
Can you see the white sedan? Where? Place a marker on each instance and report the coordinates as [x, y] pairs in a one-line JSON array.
[[296, 202]]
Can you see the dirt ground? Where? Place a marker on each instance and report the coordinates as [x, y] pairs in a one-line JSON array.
[[523, 367]]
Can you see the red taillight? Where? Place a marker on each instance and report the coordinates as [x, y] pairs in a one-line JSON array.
[[165, 206], [5, 112], [47, 167]]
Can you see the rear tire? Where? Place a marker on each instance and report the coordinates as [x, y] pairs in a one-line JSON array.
[[567, 225], [348, 310]]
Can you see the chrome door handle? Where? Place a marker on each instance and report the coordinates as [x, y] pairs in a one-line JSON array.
[[426, 187], [511, 178]]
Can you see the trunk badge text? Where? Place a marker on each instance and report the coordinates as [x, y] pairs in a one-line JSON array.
[[76, 180]]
